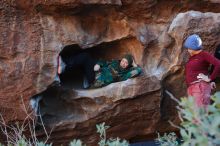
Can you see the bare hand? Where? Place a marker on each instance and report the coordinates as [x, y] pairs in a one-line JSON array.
[[96, 67], [134, 64], [203, 77], [213, 85]]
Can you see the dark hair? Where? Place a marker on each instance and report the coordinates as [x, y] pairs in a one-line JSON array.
[[129, 58], [217, 52]]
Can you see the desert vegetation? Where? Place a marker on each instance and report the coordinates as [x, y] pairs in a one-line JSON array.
[[199, 126]]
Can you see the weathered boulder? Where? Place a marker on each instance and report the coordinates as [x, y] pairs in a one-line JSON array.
[[31, 42], [33, 33], [64, 109], [204, 24], [214, 1]]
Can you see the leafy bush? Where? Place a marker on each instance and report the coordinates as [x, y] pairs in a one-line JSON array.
[[167, 139], [15, 133], [199, 126], [76, 142], [101, 129]]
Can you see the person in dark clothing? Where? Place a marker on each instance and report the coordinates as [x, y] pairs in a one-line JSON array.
[[217, 55], [217, 52], [197, 70], [100, 73], [83, 60]]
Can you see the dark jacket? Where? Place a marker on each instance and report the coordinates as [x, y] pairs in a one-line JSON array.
[[112, 72]]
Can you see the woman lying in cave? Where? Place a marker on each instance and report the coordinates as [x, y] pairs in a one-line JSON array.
[[101, 73]]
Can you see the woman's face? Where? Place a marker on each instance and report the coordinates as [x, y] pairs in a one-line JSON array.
[[190, 52], [124, 63], [193, 52]]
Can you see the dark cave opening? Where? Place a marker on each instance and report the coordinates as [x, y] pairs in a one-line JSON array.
[[58, 104], [73, 77]]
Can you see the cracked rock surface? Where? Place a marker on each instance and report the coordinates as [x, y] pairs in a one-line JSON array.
[[33, 33]]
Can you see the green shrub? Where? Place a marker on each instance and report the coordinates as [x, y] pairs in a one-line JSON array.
[[199, 126], [101, 129], [76, 142], [167, 139], [43, 144], [18, 138], [117, 142], [15, 133]]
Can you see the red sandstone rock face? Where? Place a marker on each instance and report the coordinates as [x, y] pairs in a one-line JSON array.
[[34, 32]]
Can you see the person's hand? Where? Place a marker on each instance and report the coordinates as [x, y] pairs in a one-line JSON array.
[[96, 67], [203, 77], [213, 85], [134, 64]]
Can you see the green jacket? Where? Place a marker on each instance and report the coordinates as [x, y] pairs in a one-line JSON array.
[[112, 72]]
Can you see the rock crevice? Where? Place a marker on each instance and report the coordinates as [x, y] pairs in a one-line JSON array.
[[33, 33]]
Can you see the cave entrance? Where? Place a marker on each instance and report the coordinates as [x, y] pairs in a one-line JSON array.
[[73, 78], [51, 100], [60, 104], [217, 52]]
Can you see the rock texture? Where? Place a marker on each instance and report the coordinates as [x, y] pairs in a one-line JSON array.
[[97, 105], [33, 33]]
